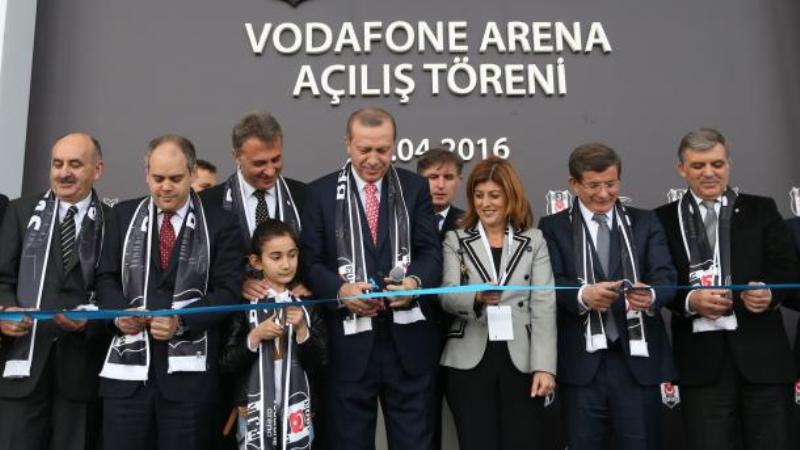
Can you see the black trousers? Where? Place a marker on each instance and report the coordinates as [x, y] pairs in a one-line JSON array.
[[45, 419], [736, 414], [147, 421], [613, 410], [492, 406], [406, 402]]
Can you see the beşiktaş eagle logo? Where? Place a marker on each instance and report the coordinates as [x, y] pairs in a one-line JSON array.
[[557, 201], [294, 3], [110, 202], [673, 195], [794, 196]]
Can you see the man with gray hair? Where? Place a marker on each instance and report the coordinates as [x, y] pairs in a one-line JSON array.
[[169, 250], [731, 349], [51, 244]]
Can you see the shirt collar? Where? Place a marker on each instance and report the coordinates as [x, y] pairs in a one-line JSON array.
[[444, 212], [589, 215], [250, 190], [699, 200], [82, 205], [360, 183], [282, 297], [180, 213]]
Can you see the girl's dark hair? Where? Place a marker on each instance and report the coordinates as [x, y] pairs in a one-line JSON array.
[[267, 230]]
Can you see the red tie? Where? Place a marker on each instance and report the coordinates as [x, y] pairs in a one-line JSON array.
[[166, 239], [371, 192]]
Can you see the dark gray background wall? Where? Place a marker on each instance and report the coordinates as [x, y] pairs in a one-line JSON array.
[[127, 71]]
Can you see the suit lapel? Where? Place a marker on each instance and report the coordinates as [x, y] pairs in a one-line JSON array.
[[383, 217], [518, 246], [476, 252]]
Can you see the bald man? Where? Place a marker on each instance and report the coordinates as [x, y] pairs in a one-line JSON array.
[[48, 387]]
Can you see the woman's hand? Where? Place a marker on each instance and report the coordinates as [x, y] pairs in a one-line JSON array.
[[543, 384]]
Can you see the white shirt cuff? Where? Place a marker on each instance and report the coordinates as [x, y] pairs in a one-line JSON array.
[[308, 335], [582, 308], [251, 348], [686, 304]]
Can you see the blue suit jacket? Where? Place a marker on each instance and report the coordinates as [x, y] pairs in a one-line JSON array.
[[417, 343], [576, 365]]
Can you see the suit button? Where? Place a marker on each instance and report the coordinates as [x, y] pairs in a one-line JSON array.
[[521, 304], [527, 277]]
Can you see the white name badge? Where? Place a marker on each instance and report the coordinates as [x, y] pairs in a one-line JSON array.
[[357, 325], [408, 316], [501, 326]]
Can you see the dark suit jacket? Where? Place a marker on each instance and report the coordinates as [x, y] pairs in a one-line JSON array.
[[760, 251], [78, 356], [576, 365], [216, 194], [416, 343], [224, 284], [450, 221], [3, 205], [793, 225]]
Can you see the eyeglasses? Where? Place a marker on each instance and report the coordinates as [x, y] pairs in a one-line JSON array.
[[596, 186]]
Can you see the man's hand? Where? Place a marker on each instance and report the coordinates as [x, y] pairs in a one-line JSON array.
[[756, 300], [132, 324], [164, 328], [67, 324], [12, 327], [600, 296], [254, 289], [365, 308], [640, 299], [408, 284], [710, 303], [543, 384], [301, 291]]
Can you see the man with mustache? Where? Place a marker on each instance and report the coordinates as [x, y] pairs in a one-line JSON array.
[[731, 349], [370, 227], [169, 250], [51, 244]]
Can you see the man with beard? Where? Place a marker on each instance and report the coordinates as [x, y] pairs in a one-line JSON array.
[[366, 227], [51, 244], [169, 250], [731, 349]]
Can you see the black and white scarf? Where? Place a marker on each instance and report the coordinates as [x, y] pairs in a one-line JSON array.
[[33, 268], [235, 201], [278, 404], [129, 355], [584, 251], [352, 266], [709, 262]]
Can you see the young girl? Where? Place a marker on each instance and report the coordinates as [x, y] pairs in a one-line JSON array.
[[283, 343]]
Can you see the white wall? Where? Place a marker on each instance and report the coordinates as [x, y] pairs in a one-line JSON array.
[[17, 26]]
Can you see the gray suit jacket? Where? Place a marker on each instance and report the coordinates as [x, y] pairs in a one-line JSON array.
[[533, 312]]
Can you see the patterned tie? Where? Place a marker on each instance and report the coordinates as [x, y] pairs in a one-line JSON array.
[[710, 222], [68, 231], [166, 239], [371, 193], [262, 212], [603, 248]]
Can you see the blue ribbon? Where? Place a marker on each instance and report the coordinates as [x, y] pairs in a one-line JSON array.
[[108, 314]]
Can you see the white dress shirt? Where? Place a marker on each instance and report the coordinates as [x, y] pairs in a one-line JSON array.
[[83, 207], [441, 216], [251, 201], [177, 218], [361, 184]]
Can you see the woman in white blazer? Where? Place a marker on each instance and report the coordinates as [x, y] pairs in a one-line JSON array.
[[500, 356]]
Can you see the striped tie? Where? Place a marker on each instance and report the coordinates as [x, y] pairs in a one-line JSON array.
[[68, 235]]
